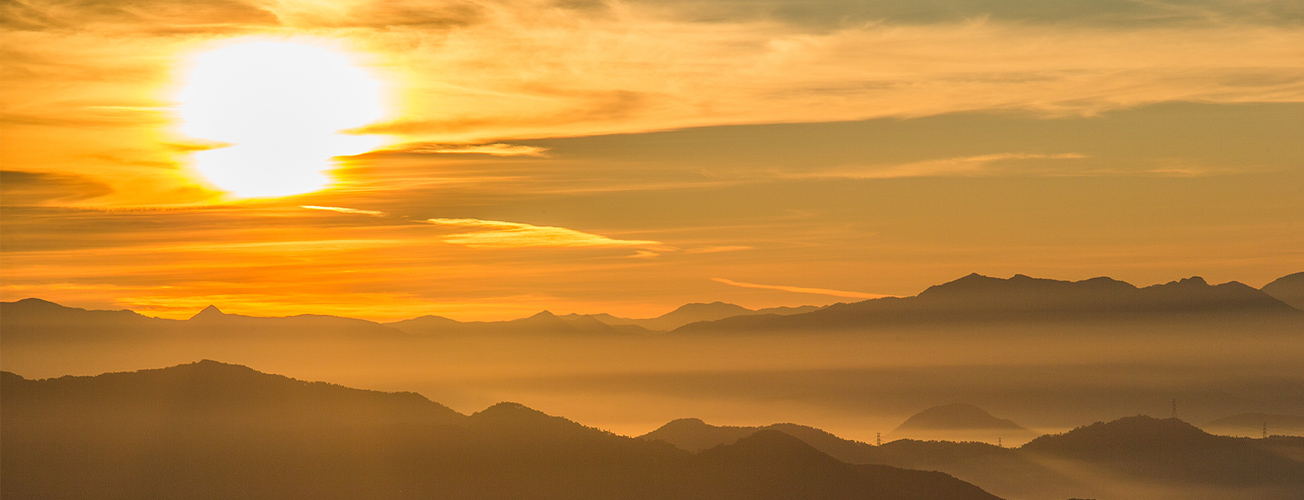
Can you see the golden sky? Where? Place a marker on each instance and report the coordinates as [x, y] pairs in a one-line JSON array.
[[631, 156]]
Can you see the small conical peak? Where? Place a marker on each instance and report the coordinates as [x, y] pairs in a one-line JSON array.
[[544, 314], [209, 312]]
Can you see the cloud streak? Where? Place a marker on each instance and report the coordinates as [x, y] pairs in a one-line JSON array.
[[499, 234], [344, 210], [495, 149], [798, 289]]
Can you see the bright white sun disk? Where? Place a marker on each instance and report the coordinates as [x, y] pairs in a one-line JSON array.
[[282, 107]]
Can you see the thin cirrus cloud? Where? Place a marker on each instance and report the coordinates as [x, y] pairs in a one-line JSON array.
[[799, 289], [345, 210], [958, 166], [478, 233], [495, 149]]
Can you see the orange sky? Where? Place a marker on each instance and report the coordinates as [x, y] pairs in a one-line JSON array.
[[628, 157]]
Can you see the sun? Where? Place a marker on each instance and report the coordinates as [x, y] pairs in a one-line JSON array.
[[281, 109]]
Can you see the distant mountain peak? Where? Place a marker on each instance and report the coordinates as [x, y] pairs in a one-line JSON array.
[[956, 416], [209, 312]]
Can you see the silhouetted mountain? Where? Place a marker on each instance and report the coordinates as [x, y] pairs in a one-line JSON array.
[[1252, 424], [960, 422], [35, 319], [776, 465], [212, 321], [1170, 449], [1288, 289], [211, 430], [543, 323], [976, 298], [695, 312], [31, 320], [956, 416], [1084, 461], [209, 390], [694, 435]]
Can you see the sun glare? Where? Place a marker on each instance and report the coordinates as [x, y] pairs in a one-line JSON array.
[[281, 107]]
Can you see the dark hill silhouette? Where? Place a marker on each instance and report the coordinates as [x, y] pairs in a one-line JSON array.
[[1253, 423], [1142, 449], [35, 320], [212, 430], [1170, 449], [981, 299], [543, 323], [694, 435], [1288, 289], [772, 461], [961, 422], [212, 321], [695, 312], [211, 390], [956, 416]]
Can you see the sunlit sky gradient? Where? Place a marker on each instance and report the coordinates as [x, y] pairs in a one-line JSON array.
[[631, 156]]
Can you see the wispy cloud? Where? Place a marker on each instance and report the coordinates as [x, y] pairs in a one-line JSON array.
[[958, 166], [495, 149], [344, 210], [499, 234], [718, 249], [799, 289]]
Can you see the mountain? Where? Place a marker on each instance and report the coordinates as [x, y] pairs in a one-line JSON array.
[[543, 323], [33, 319], [695, 312], [208, 390], [36, 320], [960, 422], [212, 321], [694, 435], [1288, 289], [213, 430], [1171, 450], [1166, 460], [981, 299], [1252, 424]]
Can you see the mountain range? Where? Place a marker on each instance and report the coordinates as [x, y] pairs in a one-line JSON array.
[[973, 299], [213, 430], [1078, 463], [977, 299]]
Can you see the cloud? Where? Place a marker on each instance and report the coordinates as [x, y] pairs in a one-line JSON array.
[[495, 149], [345, 210], [499, 234], [798, 289], [718, 249], [37, 188], [958, 166], [157, 16]]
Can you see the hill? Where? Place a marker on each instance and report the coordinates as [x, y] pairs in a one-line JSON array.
[[212, 430], [543, 323], [695, 312], [981, 299], [1252, 424], [960, 422], [1288, 289], [36, 320], [1171, 450]]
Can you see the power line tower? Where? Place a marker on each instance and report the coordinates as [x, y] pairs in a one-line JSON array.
[[1265, 430], [878, 438], [1174, 407]]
